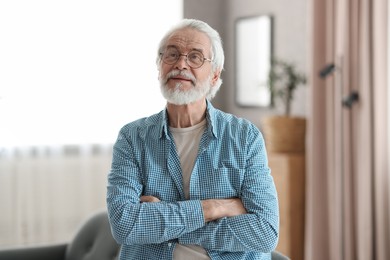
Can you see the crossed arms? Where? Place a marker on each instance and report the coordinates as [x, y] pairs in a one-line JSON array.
[[235, 210], [213, 209]]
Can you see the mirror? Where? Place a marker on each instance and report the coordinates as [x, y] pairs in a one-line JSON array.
[[253, 60]]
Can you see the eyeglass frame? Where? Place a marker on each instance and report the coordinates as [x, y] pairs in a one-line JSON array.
[[186, 57]]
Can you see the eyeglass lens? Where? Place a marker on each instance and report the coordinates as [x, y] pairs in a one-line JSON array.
[[194, 58]]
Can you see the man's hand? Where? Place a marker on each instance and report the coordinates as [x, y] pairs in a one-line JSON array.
[[149, 199], [218, 208]]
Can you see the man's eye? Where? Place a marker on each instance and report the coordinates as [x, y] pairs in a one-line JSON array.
[[172, 54], [195, 56]]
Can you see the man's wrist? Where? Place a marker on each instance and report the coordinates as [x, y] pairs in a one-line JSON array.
[[218, 208], [210, 210]]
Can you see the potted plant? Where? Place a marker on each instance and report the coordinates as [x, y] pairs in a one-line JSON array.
[[284, 133]]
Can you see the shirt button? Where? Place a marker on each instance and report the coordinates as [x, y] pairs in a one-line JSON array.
[[169, 244]]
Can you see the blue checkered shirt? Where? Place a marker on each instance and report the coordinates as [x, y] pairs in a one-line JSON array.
[[231, 162]]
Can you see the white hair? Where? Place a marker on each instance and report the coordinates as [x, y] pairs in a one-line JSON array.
[[218, 56], [179, 97]]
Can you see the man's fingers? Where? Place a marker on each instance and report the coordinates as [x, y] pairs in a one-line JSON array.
[[149, 199]]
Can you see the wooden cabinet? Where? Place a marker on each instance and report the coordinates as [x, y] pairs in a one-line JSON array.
[[288, 171]]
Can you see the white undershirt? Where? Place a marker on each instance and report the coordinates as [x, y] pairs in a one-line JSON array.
[[187, 145]]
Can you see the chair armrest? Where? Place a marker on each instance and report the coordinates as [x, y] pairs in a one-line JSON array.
[[276, 255], [52, 252]]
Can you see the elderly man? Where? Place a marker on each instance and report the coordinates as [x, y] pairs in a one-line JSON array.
[[192, 182]]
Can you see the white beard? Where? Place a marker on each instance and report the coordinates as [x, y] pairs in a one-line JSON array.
[[179, 96]]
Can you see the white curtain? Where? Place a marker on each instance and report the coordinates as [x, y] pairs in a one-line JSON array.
[[72, 72], [47, 192]]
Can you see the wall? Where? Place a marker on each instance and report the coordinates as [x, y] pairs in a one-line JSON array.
[[290, 42]]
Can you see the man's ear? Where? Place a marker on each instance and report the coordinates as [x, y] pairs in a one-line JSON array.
[[215, 77]]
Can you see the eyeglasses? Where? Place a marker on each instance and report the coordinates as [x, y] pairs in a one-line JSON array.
[[194, 58]]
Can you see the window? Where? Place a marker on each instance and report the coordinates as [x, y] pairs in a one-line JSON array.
[[74, 72]]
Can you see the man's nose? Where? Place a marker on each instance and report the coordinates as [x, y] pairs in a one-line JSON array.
[[181, 63]]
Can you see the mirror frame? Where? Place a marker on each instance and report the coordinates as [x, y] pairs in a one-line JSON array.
[[253, 38]]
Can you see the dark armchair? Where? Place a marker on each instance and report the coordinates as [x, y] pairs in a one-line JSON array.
[[93, 241]]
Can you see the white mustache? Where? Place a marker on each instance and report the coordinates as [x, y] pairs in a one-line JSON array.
[[182, 73]]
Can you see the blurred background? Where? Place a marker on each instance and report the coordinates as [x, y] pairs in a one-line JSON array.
[[71, 75], [73, 72]]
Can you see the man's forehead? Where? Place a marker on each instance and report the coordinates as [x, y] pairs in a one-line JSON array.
[[189, 38]]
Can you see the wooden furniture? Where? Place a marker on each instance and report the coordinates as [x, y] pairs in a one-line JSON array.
[[288, 170]]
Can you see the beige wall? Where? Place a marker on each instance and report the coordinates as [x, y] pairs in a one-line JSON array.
[[290, 42]]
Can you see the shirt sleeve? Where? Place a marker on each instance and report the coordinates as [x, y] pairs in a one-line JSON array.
[[256, 231], [133, 222]]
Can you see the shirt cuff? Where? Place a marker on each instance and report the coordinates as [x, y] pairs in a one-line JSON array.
[[194, 214]]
